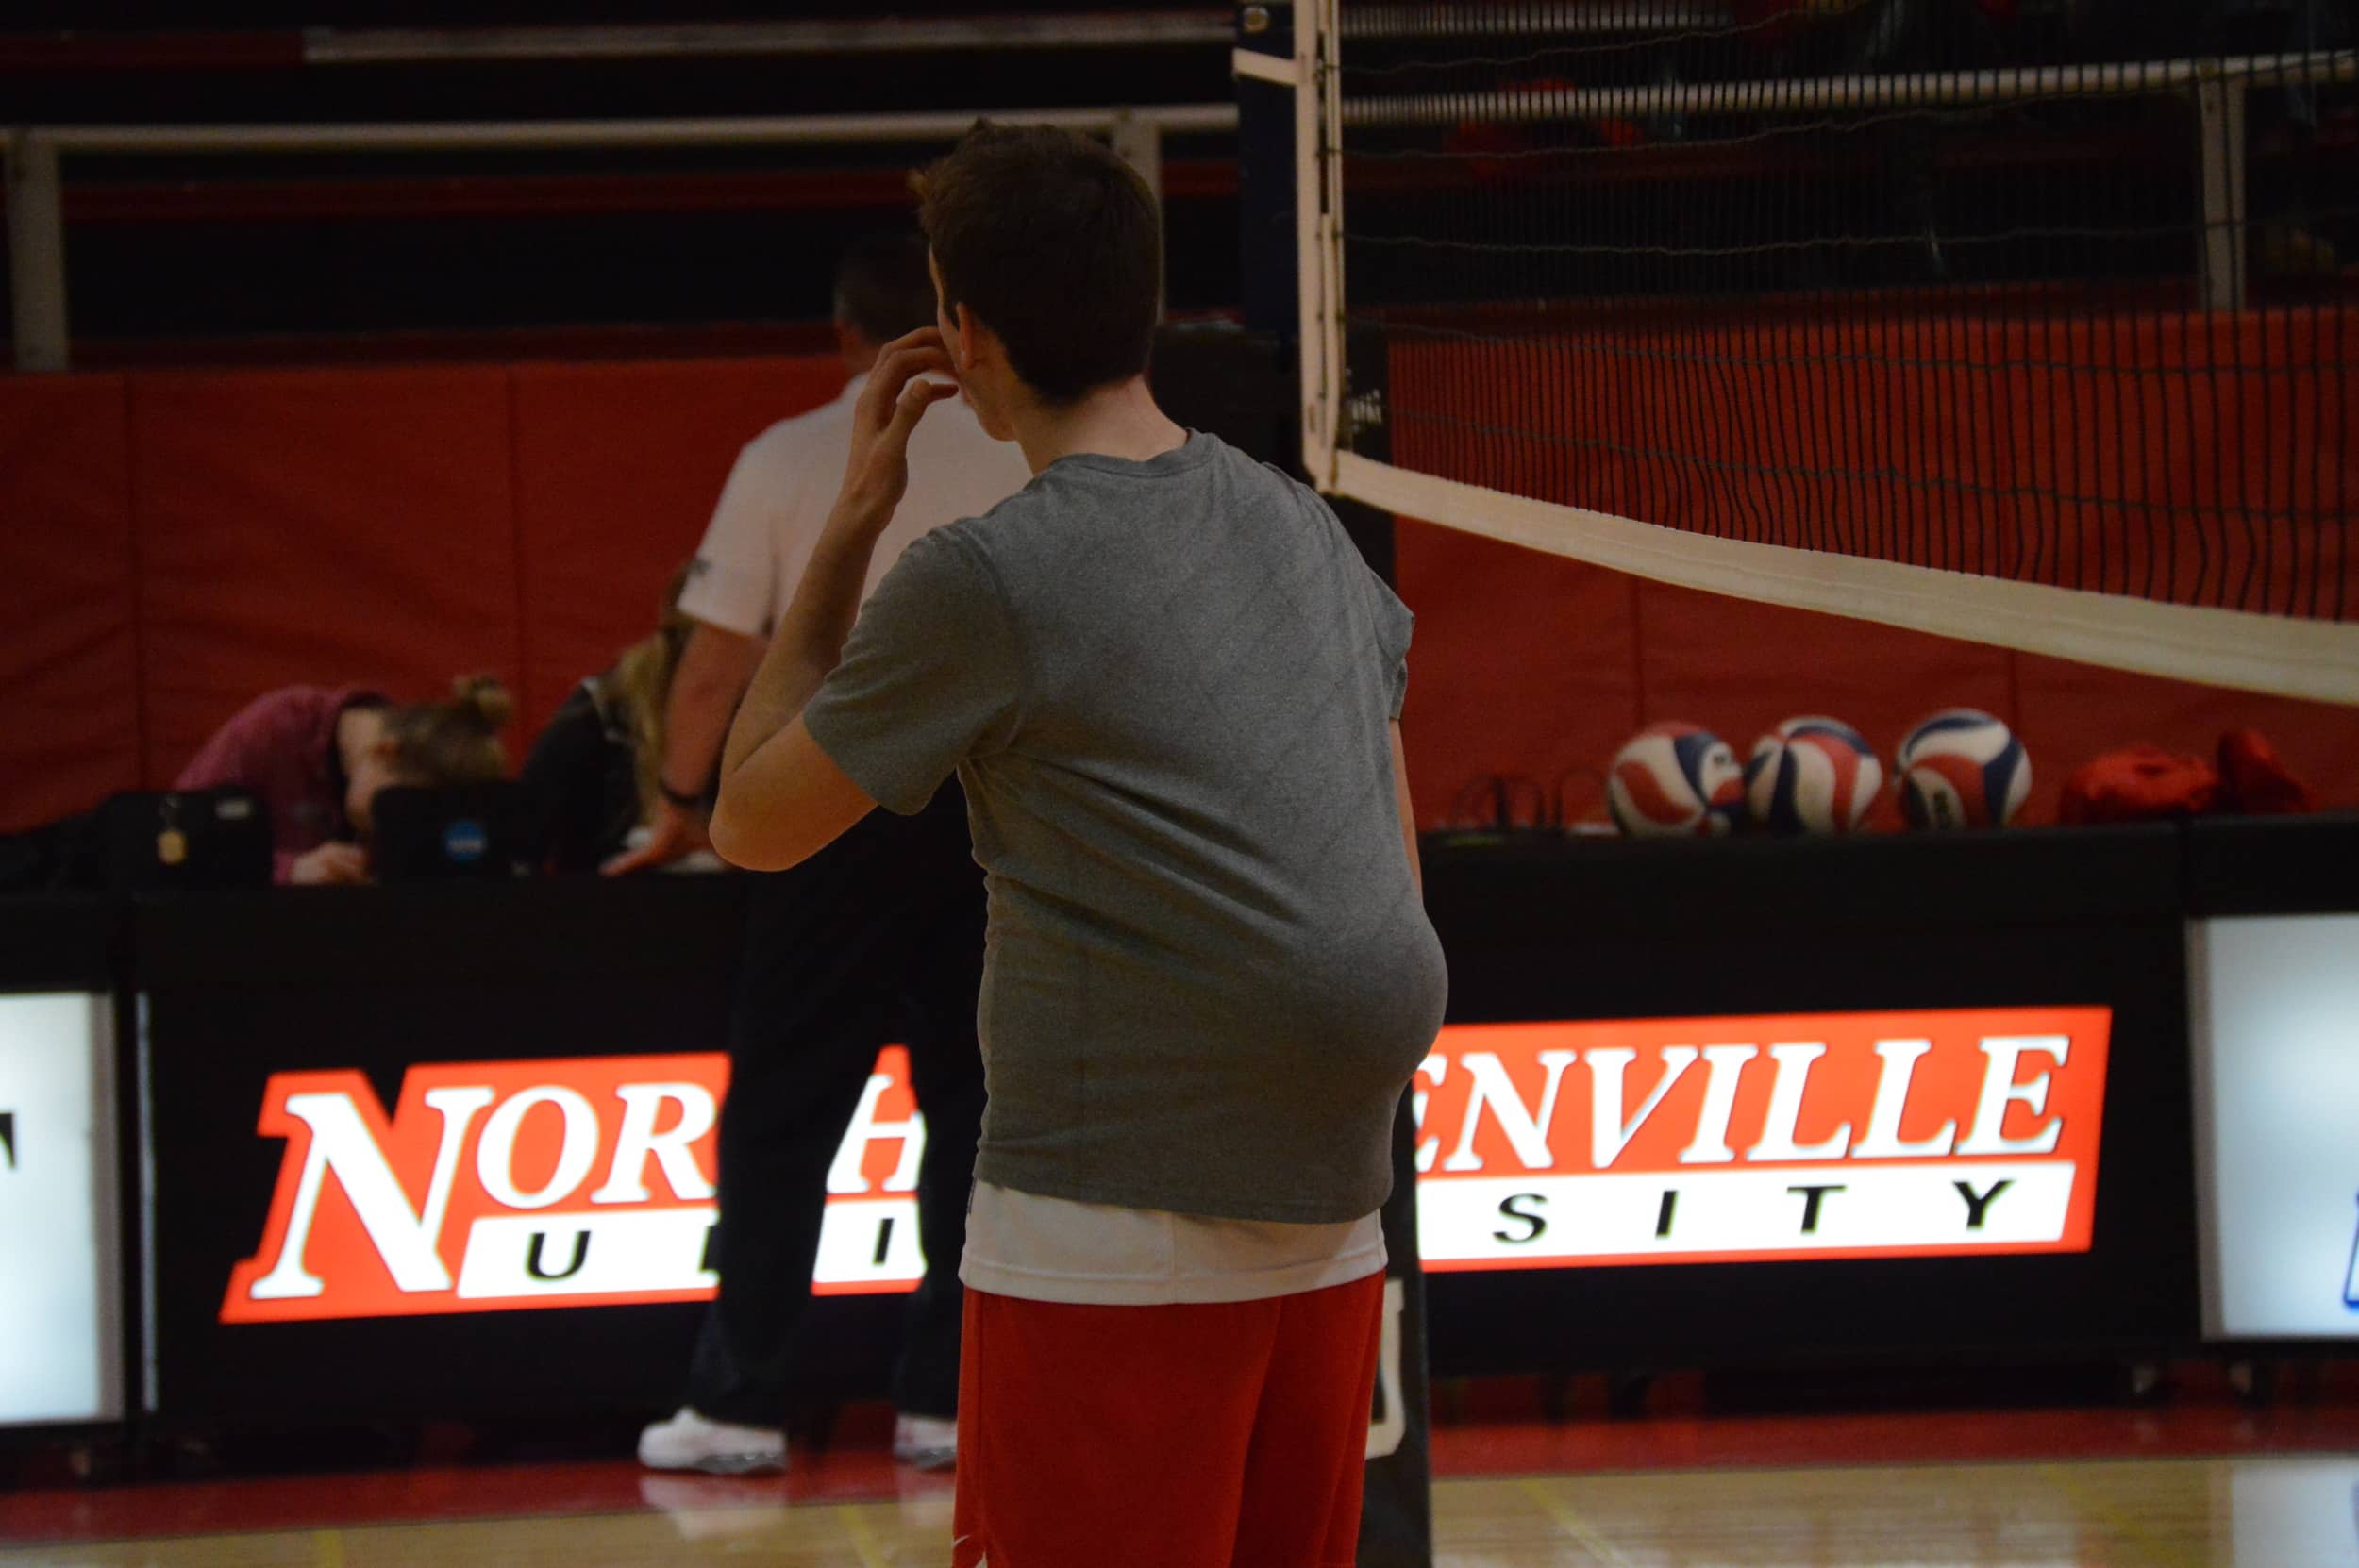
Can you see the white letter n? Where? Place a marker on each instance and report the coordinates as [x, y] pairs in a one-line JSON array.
[[340, 1143], [1526, 1132]]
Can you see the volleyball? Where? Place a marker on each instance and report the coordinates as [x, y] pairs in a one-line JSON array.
[[1812, 775], [1962, 768], [1675, 781]]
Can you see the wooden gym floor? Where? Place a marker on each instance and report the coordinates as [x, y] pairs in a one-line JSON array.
[[2211, 1485]]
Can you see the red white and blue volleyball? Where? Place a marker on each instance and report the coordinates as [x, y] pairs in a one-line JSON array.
[[1963, 768], [1676, 780], [1813, 775]]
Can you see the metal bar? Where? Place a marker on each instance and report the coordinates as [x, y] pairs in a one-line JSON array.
[[1266, 196], [895, 36], [2220, 155], [1331, 224], [1629, 16], [36, 253], [1140, 143], [1318, 403], [1262, 67], [1918, 91], [35, 227], [554, 135]]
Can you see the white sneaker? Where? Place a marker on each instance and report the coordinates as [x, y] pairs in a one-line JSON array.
[[927, 1441], [689, 1442]]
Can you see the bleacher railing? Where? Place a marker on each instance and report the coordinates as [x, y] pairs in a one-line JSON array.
[[2217, 88], [37, 230]]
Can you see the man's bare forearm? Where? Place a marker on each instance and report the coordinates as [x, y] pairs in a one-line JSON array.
[[713, 670], [808, 642], [811, 637]]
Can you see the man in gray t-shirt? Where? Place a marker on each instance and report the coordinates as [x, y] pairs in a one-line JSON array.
[[1171, 691], [1165, 686]]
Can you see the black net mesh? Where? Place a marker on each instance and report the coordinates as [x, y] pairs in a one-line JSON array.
[[2058, 296]]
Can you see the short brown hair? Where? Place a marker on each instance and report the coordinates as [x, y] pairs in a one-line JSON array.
[[1054, 244], [881, 287]]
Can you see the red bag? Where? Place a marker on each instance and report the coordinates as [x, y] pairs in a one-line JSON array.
[[2142, 784], [2255, 782]]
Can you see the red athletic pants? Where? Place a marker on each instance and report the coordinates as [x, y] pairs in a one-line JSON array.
[[1226, 1436]]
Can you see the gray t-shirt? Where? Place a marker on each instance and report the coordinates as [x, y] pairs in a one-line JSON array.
[[1165, 687]]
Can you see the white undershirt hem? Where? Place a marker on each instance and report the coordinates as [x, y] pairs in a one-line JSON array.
[[1035, 1248]]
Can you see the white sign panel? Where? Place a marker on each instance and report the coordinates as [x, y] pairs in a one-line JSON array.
[[2275, 1011], [61, 1329]]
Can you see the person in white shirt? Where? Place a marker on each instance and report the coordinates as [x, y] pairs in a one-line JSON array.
[[879, 940]]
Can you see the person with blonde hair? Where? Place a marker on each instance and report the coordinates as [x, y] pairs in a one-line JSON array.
[[594, 772], [316, 757]]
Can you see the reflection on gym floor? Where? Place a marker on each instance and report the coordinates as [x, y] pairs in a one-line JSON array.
[[2279, 1512]]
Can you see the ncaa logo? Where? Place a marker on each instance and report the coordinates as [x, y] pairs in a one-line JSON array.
[[466, 841]]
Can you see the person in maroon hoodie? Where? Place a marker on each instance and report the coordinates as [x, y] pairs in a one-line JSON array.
[[317, 756]]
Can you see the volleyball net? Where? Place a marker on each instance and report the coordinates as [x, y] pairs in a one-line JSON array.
[[2032, 329]]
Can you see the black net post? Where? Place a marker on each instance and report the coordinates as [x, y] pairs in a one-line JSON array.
[[1265, 175], [1397, 1514]]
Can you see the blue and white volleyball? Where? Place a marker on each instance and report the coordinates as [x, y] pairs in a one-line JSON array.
[[1812, 775], [1963, 768], [1675, 781]]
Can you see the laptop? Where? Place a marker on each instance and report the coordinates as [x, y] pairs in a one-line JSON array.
[[183, 839], [472, 831]]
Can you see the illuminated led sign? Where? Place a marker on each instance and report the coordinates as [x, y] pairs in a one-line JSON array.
[[1731, 1139]]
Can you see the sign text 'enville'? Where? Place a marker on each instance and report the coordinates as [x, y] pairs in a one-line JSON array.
[[1918, 1133]]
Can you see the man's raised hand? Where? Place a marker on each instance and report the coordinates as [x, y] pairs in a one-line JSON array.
[[876, 474]]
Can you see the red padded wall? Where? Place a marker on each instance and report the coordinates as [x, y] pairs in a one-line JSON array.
[[69, 670], [171, 543], [1530, 664], [1522, 665], [2067, 713], [319, 526], [618, 469]]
